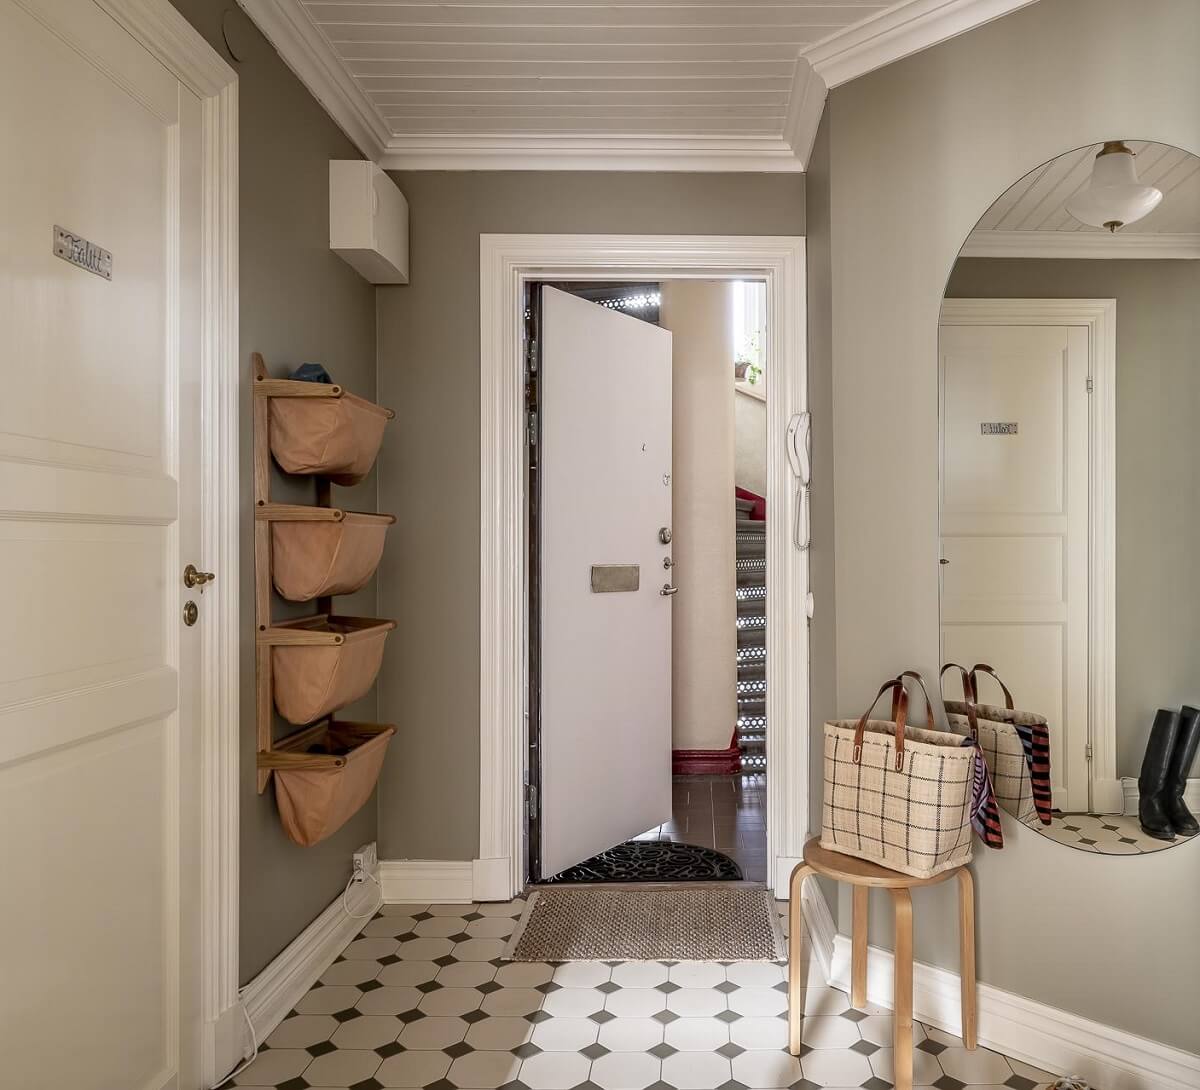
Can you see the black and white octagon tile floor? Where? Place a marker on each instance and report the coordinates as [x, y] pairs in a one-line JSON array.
[[422, 999]]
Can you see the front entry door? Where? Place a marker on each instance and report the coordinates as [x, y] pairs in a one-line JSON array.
[[99, 514], [1015, 525], [605, 655]]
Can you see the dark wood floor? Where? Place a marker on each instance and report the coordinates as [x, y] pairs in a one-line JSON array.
[[728, 813]]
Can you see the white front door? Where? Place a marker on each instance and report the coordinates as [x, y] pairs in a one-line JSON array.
[[605, 657], [1014, 448], [99, 455]]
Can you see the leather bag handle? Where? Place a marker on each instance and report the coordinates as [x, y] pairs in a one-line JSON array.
[[929, 720], [899, 717], [968, 685], [984, 668]]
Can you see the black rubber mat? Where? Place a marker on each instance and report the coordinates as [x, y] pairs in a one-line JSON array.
[[653, 861]]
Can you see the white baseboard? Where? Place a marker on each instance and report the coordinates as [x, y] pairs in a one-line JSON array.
[[283, 983], [225, 1045], [1129, 786], [1052, 1039], [492, 879], [427, 881]]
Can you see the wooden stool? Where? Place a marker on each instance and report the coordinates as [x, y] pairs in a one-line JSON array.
[[863, 876]]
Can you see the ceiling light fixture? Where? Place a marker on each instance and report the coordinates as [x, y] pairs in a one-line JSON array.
[[1114, 197]]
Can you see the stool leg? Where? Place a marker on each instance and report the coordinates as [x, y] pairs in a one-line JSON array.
[[858, 949], [796, 971], [966, 936], [902, 1040]]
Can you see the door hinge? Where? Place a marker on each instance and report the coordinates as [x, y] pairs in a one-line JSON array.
[[532, 427], [1087, 750], [531, 356], [1091, 385], [531, 801]]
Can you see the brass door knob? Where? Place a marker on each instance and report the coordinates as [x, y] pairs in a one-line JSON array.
[[194, 578]]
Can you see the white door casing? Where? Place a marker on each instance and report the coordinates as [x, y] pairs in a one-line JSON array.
[[507, 264], [605, 465], [1023, 516], [118, 466]]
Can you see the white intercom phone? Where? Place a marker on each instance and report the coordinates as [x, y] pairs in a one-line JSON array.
[[799, 452]]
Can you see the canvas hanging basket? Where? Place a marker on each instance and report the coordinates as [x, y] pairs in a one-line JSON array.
[[312, 680], [331, 780], [311, 559], [337, 437], [898, 795], [1016, 745]]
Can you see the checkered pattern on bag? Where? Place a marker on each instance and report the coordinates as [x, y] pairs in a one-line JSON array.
[[1005, 755], [916, 820]]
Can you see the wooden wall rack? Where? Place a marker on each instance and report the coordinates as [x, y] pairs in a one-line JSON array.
[[300, 750]]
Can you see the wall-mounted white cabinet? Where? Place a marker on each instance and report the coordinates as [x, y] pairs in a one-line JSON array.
[[368, 221]]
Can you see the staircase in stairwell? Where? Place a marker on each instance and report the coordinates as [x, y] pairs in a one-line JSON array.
[[751, 546]]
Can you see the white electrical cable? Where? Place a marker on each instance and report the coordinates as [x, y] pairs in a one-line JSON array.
[[253, 1040], [246, 1014], [346, 907]]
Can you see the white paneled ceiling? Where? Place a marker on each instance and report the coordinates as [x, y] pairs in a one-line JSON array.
[[606, 84], [1031, 219], [659, 67]]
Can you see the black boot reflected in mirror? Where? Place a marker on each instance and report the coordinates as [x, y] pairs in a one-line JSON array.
[[1152, 783], [1186, 742]]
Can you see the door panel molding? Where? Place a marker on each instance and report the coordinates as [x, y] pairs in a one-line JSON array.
[[507, 262], [1099, 317]]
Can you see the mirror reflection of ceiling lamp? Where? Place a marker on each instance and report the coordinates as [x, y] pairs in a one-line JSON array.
[[1114, 197]]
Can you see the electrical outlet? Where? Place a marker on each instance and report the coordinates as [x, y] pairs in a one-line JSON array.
[[366, 861]]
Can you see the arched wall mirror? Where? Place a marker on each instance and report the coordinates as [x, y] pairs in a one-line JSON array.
[[1069, 385]]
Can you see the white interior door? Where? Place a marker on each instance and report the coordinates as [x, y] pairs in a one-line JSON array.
[[99, 441], [1014, 483], [605, 657]]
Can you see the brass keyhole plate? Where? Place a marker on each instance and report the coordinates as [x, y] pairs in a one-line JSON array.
[[190, 614]]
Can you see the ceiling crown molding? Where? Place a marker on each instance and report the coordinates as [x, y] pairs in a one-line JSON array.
[[1079, 244], [307, 52], [588, 152], [805, 106], [898, 32], [906, 27]]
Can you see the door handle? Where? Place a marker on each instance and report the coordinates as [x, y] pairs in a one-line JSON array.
[[194, 578], [668, 590]]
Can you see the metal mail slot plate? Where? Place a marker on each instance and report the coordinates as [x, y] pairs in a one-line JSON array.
[[613, 578]]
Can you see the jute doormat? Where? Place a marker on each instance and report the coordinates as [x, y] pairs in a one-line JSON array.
[[711, 923]]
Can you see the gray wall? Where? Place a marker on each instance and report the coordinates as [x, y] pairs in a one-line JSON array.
[[429, 471], [823, 630], [298, 302], [1158, 466], [918, 151]]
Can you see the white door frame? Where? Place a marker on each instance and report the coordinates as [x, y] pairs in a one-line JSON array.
[[184, 53], [506, 263], [1099, 316]]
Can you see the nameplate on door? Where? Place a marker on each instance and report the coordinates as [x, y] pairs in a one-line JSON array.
[[614, 578], [79, 252], [997, 429]]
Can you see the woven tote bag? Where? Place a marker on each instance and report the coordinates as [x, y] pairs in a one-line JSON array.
[[897, 795], [1001, 746], [1033, 732]]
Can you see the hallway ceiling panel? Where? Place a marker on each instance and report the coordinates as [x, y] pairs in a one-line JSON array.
[[595, 84]]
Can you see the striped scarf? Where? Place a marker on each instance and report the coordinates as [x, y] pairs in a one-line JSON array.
[[985, 814], [1035, 740]]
